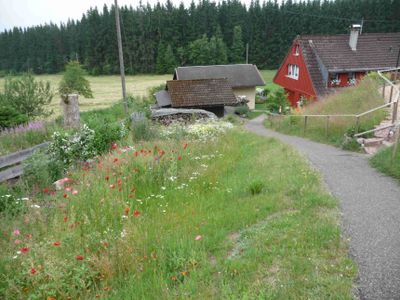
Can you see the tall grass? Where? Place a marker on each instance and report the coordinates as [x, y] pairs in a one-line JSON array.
[[385, 163], [352, 100], [173, 220]]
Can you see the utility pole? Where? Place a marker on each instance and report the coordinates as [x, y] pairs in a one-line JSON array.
[[121, 58], [247, 53]]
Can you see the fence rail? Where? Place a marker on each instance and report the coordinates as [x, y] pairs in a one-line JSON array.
[[10, 165]]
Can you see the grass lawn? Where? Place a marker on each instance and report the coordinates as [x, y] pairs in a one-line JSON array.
[[354, 100], [268, 76], [242, 217], [384, 163]]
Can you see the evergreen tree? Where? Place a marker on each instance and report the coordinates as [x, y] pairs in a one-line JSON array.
[[237, 49], [169, 60]]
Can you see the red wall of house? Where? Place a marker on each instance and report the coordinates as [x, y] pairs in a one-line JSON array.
[[295, 88], [344, 77]]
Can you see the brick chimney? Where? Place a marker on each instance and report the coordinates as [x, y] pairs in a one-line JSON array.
[[354, 32]]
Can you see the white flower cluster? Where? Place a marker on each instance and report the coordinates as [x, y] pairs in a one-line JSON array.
[[199, 130]]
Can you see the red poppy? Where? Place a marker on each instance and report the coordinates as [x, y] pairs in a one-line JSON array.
[[45, 190], [185, 146], [179, 157], [79, 257], [33, 271], [65, 196], [115, 159], [126, 211], [107, 178], [114, 146], [28, 236], [25, 250], [65, 218], [56, 244], [136, 154], [136, 213]]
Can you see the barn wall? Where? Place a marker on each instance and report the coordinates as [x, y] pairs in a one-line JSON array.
[[295, 87], [249, 92]]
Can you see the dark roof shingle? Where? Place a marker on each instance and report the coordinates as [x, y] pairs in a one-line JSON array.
[[202, 92], [239, 75], [374, 51]]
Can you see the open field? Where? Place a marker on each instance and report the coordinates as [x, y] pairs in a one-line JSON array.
[[201, 221], [107, 89]]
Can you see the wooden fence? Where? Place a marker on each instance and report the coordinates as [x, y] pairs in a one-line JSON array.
[[10, 165]]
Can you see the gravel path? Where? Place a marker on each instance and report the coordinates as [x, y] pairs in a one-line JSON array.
[[370, 205]]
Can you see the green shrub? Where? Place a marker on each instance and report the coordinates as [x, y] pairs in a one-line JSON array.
[[27, 96], [41, 170], [9, 117], [10, 203], [242, 110], [74, 81], [278, 103]]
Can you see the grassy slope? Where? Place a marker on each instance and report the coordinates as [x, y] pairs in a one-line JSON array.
[[283, 243], [383, 162], [352, 100]]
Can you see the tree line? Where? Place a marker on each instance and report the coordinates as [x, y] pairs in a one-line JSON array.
[[158, 38]]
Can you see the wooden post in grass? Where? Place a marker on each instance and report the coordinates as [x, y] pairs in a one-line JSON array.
[[357, 124], [121, 58], [384, 89], [327, 126], [396, 144], [70, 107], [305, 125]]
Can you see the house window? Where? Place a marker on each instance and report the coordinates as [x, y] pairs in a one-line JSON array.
[[351, 79], [335, 79], [293, 71]]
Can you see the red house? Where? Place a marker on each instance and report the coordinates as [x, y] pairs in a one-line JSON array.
[[317, 65]]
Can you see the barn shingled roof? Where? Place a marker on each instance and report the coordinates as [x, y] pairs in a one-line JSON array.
[[239, 75], [374, 51], [201, 92]]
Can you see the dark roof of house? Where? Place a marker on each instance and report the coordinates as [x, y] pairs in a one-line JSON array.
[[313, 69], [201, 92], [240, 75], [374, 51]]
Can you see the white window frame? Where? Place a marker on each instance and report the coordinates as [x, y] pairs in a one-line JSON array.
[[293, 71]]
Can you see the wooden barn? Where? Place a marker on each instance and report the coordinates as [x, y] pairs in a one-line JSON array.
[[317, 65], [242, 78], [208, 94]]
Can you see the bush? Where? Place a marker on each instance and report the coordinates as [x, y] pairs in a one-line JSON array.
[[242, 110], [9, 117], [27, 96], [41, 170], [74, 81], [278, 103], [67, 148]]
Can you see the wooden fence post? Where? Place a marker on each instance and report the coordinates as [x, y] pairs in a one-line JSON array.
[[327, 126], [395, 108], [384, 89], [357, 124], [396, 144], [305, 125]]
